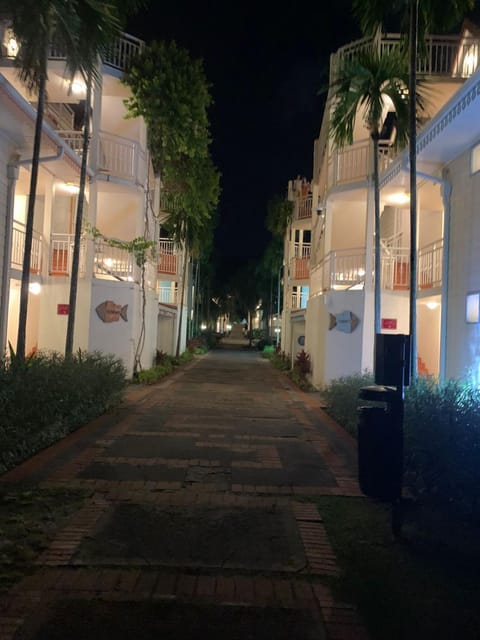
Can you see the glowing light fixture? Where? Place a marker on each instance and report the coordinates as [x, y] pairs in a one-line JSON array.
[[71, 188], [108, 262], [402, 197], [203, 326], [77, 87], [433, 305], [35, 288], [12, 47]]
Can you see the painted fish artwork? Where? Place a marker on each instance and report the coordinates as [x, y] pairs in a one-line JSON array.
[[345, 321], [108, 311]]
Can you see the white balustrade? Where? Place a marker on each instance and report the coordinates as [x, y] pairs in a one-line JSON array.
[[430, 261], [61, 254], [18, 248], [73, 138], [167, 295], [304, 210], [115, 262], [395, 264]]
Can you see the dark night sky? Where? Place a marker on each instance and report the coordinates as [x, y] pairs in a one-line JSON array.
[[265, 65]]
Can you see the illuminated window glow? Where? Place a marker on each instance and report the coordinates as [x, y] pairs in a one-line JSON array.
[[472, 312]]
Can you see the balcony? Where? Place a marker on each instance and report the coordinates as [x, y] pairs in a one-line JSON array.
[[447, 56], [354, 163], [345, 269], [167, 258], [167, 295], [304, 208], [18, 249], [114, 263], [300, 263], [430, 263], [121, 157], [61, 253], [119, 55], [298, 301]]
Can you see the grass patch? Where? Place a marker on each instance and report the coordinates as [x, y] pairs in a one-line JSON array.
[[421, 587], [29, 518]]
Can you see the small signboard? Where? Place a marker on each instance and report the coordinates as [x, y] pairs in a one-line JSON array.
[[389, 323], [63, 309]]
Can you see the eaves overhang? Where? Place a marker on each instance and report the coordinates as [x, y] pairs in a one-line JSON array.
[[451, 132]]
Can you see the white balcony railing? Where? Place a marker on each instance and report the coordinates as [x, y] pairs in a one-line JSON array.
[[395, 265], [114, 262], [119, 55], [61, 253], [430, 261], [73, 138], [355, 162], [121, 157], [18, 248], [342, 269], [304, 210], [167, 257], [299, 300], [167, 295], [450, 56]]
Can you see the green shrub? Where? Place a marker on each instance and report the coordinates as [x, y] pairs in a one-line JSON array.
[[442, 437], [150, 376], [44, 397], [341, 397], [442, 443]]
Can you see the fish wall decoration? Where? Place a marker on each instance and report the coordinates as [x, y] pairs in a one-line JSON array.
[[346, 321], [108, 311]]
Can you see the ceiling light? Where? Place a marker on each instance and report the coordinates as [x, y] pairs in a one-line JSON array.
[[402, 197]]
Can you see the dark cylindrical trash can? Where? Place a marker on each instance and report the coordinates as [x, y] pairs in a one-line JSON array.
[[380, 453]]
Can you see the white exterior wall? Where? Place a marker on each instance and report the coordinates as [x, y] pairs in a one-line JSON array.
[[463, 340]]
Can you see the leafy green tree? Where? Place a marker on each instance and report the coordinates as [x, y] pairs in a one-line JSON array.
[[170, 91], [279, 215], [417, 20], [360, 90], [37, 24]]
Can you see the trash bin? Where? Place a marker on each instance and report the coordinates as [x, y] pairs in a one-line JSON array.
[[380, 444]]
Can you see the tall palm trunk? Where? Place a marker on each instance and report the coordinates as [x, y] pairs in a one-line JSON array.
[[72, 303], [378, 257], [180, 313], [27, 254], [413, 40]]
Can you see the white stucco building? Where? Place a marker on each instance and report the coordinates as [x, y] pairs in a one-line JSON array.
[[122, 202], [339, 314]]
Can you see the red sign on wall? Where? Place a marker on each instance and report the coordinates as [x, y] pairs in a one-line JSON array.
[[63, 309], [389, 323]]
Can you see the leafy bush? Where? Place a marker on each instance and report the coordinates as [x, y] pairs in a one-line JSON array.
[[281, 361], [150, 376], [442, 442], [341, 397], [302, 363], [63, 393], [442, 437]]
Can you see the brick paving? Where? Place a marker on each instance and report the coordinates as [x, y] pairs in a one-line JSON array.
[[226, 435]]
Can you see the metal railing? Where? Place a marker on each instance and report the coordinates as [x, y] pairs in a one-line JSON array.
[[73, 138], [342, 269], [119, 55], [354, 163], [299, 300], [395, 265], [167, 295], [114, 262], [452, 56], [61, 252], [121, 157], [167, 257], [304, 208], [430, 261], [18, 248]]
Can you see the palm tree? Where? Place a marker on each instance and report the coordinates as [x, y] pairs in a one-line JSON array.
[[362, 88], [417, 20]]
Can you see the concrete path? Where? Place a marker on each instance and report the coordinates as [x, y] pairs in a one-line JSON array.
[[199, 524]]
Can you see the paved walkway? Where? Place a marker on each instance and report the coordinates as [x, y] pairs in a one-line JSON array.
[[199, 524]]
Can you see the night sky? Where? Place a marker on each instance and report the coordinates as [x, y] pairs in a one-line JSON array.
[[266, 66]]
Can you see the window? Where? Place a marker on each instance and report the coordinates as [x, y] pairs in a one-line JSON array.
[[472, 310], [475, 159]]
